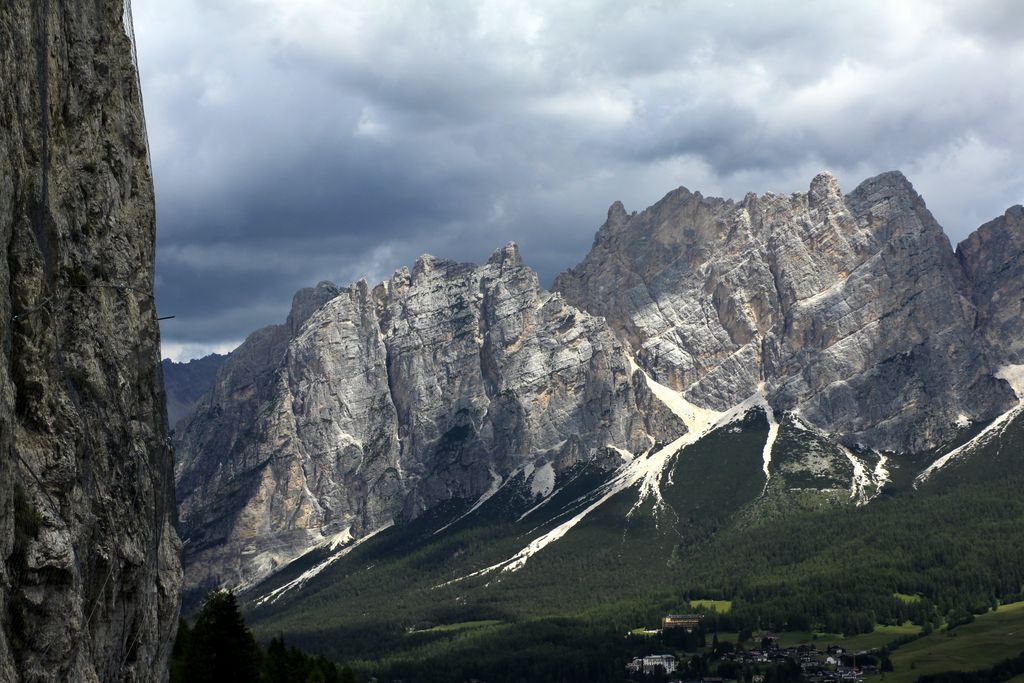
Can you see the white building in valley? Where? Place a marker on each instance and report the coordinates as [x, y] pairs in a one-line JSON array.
[[652, 663]]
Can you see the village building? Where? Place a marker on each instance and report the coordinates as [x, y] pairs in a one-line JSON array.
[[652, 664], [687, 621]]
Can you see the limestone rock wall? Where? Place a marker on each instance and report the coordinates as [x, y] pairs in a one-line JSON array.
[[851, 309], [439, 383], [993, 260], [89, 558], [372, 405]]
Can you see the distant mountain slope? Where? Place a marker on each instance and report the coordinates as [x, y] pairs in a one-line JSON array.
[[434, 564], [852, 310], [185, 383], [956, 543], [372, 406], [871, 350], [993, 258], [707, 487]]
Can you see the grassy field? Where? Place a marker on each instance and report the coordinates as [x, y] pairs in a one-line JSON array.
[[644, 631], [720, 606], [461, 626], [882, 635], [909, 599], [794, 638], [990, 639]]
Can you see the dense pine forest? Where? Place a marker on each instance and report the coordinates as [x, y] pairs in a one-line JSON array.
[[219, 648], [911, 562]]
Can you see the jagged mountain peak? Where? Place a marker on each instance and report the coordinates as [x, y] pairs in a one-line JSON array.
[[697, 215], [425, 263], [507, 255], [617, 213], [451, 380], [444, 382], [307, 300], [798, 293], [1007, 230], [894, 180]]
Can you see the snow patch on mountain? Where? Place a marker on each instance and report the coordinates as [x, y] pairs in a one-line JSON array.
[[305, 576], [773, 434], [693, 416], [536, 507], [698, 422], [860, 481], [799, 423], [623, 453], [342, 538], [648, 472], [542, 483], [882, 476], [1014, 376]]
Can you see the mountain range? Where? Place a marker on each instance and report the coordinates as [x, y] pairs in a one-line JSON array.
[[839, 337], [798, 412]]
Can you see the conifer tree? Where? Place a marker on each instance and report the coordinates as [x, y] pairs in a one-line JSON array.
[[221, 649]]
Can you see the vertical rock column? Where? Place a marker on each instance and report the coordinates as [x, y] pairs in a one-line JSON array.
[[89, 558]]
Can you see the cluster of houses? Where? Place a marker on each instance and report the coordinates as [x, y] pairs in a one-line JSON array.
[[833, 665], [664, 663]]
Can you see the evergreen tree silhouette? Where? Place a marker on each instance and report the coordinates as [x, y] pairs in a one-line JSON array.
[[221, 649]]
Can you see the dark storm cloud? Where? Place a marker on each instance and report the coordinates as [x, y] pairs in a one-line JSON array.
[[299, 141]]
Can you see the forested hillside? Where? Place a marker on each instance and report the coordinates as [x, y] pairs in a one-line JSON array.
[[930, 555]]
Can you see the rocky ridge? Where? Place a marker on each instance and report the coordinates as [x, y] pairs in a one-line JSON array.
[[848, 319], [372, 405], [850, 310], [89, 560]]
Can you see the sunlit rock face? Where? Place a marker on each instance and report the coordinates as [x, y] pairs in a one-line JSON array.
[[372, 405], [851, 309], [90, 572]]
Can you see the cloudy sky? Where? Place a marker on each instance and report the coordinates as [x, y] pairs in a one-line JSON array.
[[301, 140]]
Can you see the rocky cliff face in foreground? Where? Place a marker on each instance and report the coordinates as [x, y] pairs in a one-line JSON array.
[[851, 310], [370, 406], [89, 559]]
